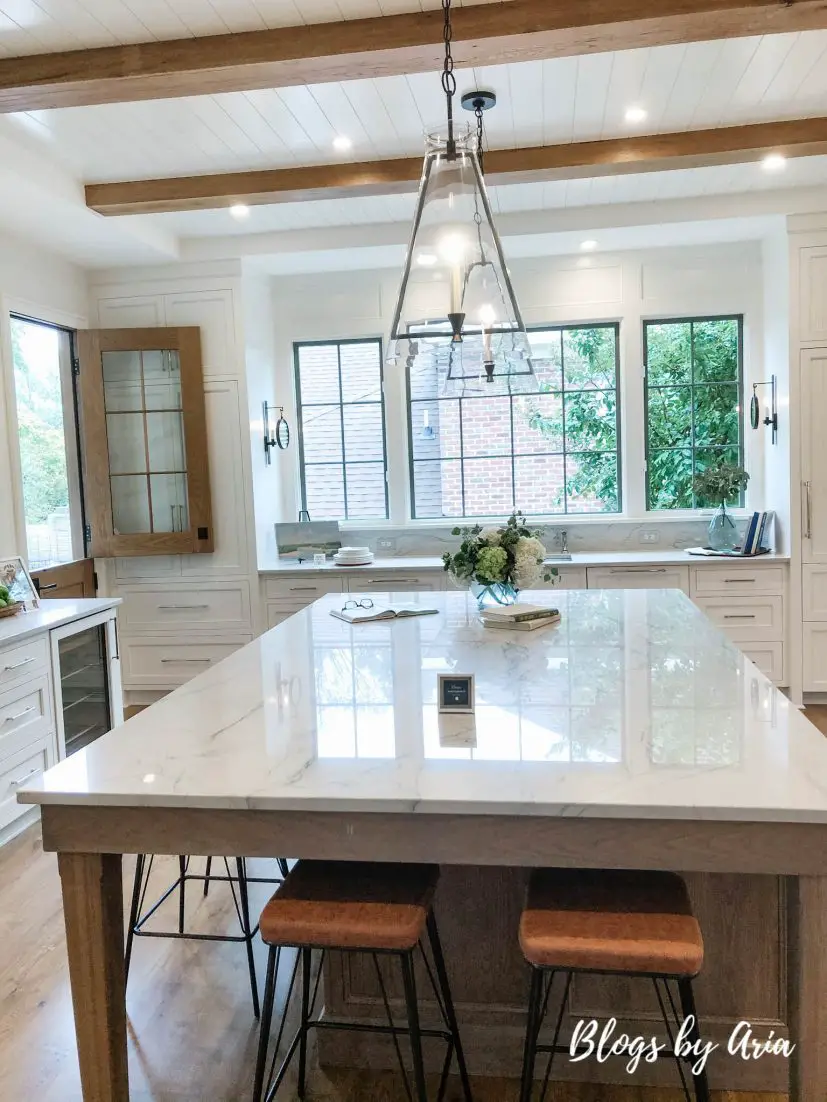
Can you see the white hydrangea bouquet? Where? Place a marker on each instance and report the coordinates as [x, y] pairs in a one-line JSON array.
[[498, 562]]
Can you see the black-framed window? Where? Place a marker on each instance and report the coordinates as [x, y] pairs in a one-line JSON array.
[[694, 399], [555, 452], [341, 414]]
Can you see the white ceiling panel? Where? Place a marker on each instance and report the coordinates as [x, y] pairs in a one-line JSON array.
[[568, 99]]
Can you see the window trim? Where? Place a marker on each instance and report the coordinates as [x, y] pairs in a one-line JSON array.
[[618, 512], [695, 509], [297, 346]]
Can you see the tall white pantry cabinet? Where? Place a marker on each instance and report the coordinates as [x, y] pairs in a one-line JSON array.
[[809, 372], [182, 614]]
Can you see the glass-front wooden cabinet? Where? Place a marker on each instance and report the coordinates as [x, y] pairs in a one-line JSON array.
[[146, 476]]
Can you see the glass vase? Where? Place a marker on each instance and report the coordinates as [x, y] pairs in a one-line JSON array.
[[723, 531], [496, 595]]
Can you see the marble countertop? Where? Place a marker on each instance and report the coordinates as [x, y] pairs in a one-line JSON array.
[[669, 557], [52, 614], [634, 706]]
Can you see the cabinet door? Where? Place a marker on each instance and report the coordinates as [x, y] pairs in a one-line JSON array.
[[814, 455], [144, 442], [639, 577], [815, 658], [813, 307]]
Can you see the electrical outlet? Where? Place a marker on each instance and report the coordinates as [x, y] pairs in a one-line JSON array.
[[386, 543], [650, 537]]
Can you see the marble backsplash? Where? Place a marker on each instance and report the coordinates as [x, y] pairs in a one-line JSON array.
[[619, 535]]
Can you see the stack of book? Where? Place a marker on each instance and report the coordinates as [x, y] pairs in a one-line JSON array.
[[758, 528], [520, 617]]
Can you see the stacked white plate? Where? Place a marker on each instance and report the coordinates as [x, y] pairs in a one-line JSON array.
[[353, 556]]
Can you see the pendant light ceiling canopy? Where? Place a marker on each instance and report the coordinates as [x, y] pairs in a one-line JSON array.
[[456, 309]]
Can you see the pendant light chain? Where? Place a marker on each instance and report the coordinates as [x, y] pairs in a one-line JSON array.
[[480, 134], [449, 81]]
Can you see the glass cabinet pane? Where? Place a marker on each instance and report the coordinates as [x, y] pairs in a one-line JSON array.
[[146, 442], [84, 687]]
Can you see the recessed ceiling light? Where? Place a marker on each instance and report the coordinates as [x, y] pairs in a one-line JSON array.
[[774, 162], [239, 211], [636, 114], [588, 246], [342, 143]]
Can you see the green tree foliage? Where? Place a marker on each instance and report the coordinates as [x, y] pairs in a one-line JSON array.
[[40, 420]]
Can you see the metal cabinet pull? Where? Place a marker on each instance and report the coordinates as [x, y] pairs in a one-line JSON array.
[[738, 581], [743, 616], [393, 581], [25, 712], [178, 608], [640, 570], [186, 661], [44, 588], [17, 665], [808, 510], [24, 778], [303, 588]]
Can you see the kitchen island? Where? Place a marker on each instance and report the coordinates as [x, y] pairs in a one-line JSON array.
[[633, 735]]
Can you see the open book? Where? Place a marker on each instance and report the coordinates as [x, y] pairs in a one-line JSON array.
[[379, 612]]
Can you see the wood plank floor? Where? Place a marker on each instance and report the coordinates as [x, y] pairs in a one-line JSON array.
[[192, 1032]]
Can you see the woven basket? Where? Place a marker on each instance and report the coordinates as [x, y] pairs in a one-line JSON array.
[[11, 610]]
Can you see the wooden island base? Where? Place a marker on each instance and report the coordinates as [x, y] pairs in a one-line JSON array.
[[744, 922]]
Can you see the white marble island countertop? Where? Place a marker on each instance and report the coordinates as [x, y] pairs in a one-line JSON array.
[[635, 706]]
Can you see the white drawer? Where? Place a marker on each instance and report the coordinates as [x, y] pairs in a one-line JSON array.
[[814, 592], [769, 658], [25, 716], [300, 591], [23, 660], [708, 581], [276, 614], [223, 607], [150, 663], [639, 577], [815, 658], [568, 578], [14, 774], [402, 582], [746, 618]]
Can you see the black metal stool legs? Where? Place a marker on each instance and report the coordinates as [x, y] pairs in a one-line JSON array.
[[414, 1034], [266, 1020], [244, 918], [133, 912], [535, 998], [306, 956], [450, 1013]]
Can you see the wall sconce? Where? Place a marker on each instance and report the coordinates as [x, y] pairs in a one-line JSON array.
[[280, 438], [771, 418]]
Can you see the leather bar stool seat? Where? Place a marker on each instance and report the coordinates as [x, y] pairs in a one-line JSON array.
[[356, 907], [607, 921], [611, 922]]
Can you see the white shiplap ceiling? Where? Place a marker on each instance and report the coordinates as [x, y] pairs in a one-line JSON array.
[[683, 87], [38, 26]]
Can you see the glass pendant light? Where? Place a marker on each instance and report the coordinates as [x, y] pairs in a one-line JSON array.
[[457, 311]]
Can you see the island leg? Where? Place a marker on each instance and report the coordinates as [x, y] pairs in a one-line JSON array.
[[807, 971], [93, 913]]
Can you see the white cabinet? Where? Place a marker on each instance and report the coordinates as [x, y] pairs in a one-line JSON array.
[[639, 577], [812, 317], [214, 314], [163, 662], [814, 455], [188, 607], [568, 577], [408, 581], [769, 658], [815, 658], [737, 580], [746, 618], [814, 582]]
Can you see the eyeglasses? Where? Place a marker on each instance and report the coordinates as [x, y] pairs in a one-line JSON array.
[[366, 602]]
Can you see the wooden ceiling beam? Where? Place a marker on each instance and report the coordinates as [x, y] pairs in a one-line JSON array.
[[484, 34], [615, 156]]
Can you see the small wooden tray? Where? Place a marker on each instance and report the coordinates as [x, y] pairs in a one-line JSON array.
[[12, 610]]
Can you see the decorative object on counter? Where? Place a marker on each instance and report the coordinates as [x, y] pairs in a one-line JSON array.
[[496, 563], [475, 332], [308, 538], [456, 692], [365, 612], [771, 414], [16, 586], [520, 617], [279, 437], [756, 536], [721, 484], [353, 556]]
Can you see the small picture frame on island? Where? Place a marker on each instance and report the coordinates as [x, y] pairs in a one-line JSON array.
[[456, 693], [15, 578]]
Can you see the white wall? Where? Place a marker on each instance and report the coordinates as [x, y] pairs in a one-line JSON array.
[[627, 287], [40, 285], [777, 477]]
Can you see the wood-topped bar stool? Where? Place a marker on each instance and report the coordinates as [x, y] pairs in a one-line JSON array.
[[356, 907], [608, 922], [140, 913]]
